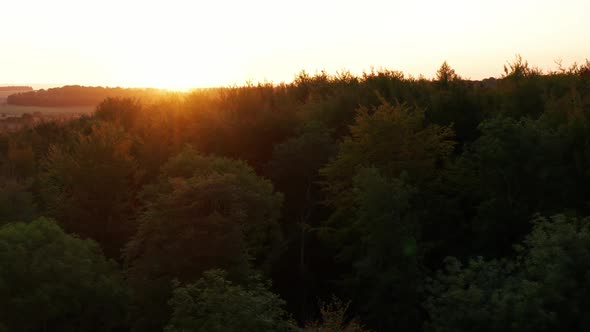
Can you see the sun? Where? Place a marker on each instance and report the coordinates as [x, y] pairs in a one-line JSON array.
[[179, 54], [180, 68]]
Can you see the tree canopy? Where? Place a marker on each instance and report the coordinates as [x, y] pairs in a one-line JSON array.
[[541, 289], [249, 308], [53, 281], [248, 207], [203, 213]]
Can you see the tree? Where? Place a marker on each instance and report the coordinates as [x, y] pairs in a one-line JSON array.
[[446, 75], [294, 170], [454, 103], [556, 264], [373, 205], [20, 160], [514, 170], [334, 319], [201, 213], [519, 69], [51, 281], [463, 298], [392, 139], [522, 90], [542, 289], [386, 255], [215, 304], [89, 185], [122, 111], [16, 202]]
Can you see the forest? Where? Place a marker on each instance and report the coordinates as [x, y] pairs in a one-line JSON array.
[[76, 95], [333, 203], [16, 88]]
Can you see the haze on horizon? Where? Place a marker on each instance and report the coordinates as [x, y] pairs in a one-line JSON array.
[[184, 44]]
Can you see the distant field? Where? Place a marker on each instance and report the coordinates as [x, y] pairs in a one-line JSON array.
[[18, 110]]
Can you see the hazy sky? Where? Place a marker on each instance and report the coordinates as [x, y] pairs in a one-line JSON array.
[[182, 43]]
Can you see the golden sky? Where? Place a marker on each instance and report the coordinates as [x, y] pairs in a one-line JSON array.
[[191, 43]]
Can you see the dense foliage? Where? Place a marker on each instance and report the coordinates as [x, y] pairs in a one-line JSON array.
[[236, 308], [52, 281], [409, 199], [543, 288], [202, 213]]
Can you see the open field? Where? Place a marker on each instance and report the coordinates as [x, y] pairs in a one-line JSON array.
[[17, 110]]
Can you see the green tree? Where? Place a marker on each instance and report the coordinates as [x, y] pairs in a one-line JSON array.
[[201, 213], [294, 170], [295, 165], [215, 304], [383, 245], [51, 281], [16, 202], [373, 205], [514, 170], [466, 298], [542, 289], [392, 139], [89, 185]]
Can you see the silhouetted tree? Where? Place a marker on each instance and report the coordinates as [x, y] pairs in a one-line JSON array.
[[445, 75]]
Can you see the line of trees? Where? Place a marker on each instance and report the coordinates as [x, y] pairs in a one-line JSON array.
[[15, 88], [332, 203], [76, 95]]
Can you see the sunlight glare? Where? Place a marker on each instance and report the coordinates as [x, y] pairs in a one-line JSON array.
[[180, 44]]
